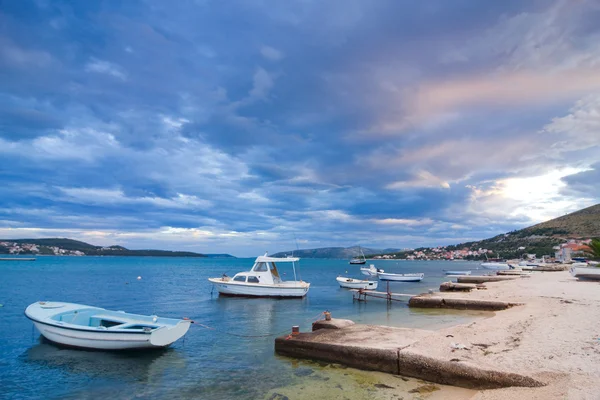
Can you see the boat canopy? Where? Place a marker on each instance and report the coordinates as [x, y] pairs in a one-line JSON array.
[[275, 259]]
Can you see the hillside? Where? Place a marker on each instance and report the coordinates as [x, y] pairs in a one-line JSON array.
[[579, 224], [333, 252], [63, 246], [540, 239]]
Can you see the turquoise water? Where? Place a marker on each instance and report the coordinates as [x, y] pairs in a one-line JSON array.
[[208, 363]]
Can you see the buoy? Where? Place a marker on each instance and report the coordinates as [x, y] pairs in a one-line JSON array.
[[139, 278]]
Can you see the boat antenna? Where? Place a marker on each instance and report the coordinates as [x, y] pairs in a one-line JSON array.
[[293, 263]]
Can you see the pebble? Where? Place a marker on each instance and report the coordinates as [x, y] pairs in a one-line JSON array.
[[383, 386], [303, 372], [424, 389]]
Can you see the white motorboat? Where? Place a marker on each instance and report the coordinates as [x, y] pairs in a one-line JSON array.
[[89, 327], [359, 260], [351, 283], [579, 264], [262, 280], [384, 276], [371, 271], [495, 265], [447, 272], [586, 273]]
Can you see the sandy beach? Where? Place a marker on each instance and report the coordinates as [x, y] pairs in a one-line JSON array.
[[552, 337]]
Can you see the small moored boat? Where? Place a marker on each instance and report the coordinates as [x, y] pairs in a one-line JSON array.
[[371, 271], [496, 266], [586, 273], [384, 276], [89, 327], [351, 283], [358, 259], [447, 272], [262, 280]]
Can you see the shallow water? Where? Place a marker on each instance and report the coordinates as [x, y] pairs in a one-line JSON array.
[[209, 362]]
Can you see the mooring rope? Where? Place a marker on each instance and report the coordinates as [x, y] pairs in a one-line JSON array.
[[312, 319]]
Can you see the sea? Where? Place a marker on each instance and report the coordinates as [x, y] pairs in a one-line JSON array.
[[227, 354]]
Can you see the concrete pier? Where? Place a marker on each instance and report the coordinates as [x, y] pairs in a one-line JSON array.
[[427, 301], [483, 279], [388, 349]]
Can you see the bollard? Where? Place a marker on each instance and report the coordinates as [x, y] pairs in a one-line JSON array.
[[327, 316], [295, 330]]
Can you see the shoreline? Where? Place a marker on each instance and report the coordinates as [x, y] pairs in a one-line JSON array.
[[552, 337]]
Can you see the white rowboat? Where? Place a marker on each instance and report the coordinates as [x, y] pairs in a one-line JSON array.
[[586, 273], [384, 276], [495, 266], [350, 283], [77, 325], [457, 272]]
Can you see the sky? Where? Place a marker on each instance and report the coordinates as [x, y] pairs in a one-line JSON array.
[[250, 126]]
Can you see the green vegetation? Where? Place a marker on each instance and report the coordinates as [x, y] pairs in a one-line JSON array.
[[594, 249]]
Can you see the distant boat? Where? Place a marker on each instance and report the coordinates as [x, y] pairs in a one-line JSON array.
[[89, 327], [384, 276], [495, 265], [351, 283], [262, 280], [358, 260], [17, 259], [370, 271], [586, 273], [457, 272]]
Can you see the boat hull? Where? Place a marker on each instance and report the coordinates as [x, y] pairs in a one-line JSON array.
[[357, 262], [349, 283], [384, 276], [586, 273], [458, 272], [229, 288]]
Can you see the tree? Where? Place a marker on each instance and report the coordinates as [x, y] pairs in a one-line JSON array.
[[594, 251]]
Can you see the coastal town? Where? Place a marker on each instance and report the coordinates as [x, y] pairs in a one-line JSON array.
[[562, 252], [32, 248]]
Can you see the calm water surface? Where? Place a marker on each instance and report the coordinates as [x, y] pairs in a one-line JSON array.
[[209, 363]]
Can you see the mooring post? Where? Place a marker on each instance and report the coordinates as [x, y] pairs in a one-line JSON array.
[[389, 295]]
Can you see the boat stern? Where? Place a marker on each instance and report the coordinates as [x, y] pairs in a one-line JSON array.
[[166, 335]]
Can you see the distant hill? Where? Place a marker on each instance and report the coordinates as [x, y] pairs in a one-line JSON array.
[[579, 224], [62, 246], [541, 238], [537, 239], [334, 252]]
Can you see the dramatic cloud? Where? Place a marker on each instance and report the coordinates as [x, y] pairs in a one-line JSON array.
[[235, 127]]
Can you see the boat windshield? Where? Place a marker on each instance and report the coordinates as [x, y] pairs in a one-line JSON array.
[[261, 267]]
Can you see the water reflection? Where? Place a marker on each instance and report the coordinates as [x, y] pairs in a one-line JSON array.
[[144, 367]]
